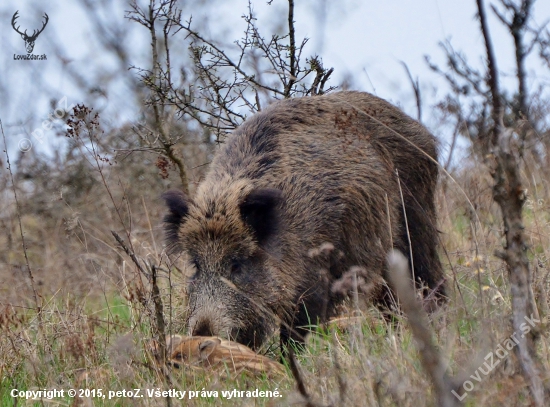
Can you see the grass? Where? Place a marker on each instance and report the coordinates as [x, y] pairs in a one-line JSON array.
[[368, 362], [97, 318]]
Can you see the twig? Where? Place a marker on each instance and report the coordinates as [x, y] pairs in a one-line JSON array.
[[159, 310], [18, 209], [130, 253], [406, 224], [159, 108], [453, 143], [517, 26], [230, 61], [157, 300], [292, 49], [161, 327], [224, 83], [496, 97], [416, 89]]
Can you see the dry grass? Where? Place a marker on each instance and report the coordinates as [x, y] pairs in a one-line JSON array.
[[98, 318]]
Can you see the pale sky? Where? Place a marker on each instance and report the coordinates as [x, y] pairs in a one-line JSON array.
[[362, 39]]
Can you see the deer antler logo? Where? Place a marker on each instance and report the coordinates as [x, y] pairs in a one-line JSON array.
[[29, 39]]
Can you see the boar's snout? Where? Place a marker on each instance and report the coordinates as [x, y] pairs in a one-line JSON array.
[[237, 322], [203, 328]]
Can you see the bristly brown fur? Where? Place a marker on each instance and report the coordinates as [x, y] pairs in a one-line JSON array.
[[302, 173]]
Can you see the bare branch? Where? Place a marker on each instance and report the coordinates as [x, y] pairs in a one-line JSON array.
[[22, 234], [416, 89], [498, 111], [158, 78], [225, 81], [517, 24], [229, 61], [292, 49]]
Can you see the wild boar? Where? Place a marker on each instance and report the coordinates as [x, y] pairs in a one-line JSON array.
[[347, 169]]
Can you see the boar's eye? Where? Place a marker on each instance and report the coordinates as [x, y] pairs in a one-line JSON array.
[[196, 267], [236, 267]]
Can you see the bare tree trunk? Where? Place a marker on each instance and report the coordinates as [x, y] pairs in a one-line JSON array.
[[509, 194]]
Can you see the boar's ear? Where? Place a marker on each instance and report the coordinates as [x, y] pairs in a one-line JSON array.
[[208, 346], [259, 211], [178, 207]]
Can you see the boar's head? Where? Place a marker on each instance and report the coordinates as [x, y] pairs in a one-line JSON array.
[[229, 234]]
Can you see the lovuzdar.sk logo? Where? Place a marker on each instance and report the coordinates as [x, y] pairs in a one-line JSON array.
[[29, 39]]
